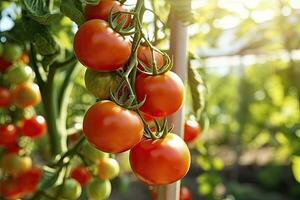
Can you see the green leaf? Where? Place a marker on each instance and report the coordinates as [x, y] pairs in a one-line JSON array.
[[38, 10], [296, 167], [73, 10]]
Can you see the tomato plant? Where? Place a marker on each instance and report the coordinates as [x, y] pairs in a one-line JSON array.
[[144, 55], [5, 97], [95, 43], [158, 90], [104, 126], [71, 189], [100, 83], [103, 9], [19, 74], [8, 135], [191, 130], [81, 174], [161, 161], [26, 95], [108, 168], [99, 189], [34, 127]]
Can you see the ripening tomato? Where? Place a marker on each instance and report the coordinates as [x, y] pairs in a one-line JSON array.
[[164, 93], [98, 189], [145, 56], [25, 58], [71, 190], [14, 164], [111, 128], [11, 189], [92, 153], [12, 52], [26, 95], [30, 179], [98, 47], [81, 174], [18, 74], [162, 161], [5, 97], [8, 135], [108, 169], [103, 9], [185, 194], [34, 127], [100, 83], [4, 65], [191, 130]]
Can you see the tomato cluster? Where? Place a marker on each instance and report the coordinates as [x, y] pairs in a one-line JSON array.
[[130, 81], [18, 96]]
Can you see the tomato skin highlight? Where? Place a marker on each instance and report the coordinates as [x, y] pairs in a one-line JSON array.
[[191, 131], [98, 47], [34, 127], [162, 161], [164, 93], [145, 55], [8, 135], [5, 97], [103, 9], [26, 95], [81, 175], [111, 128]]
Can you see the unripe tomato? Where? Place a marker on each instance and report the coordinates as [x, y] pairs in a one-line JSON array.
[[15, 165], [5, 98], [4, 65], [98, 189], [12, 52], [11, 189], [100, 83], [191, 130], [19, 74], [92, 153], [145, 56], [34, 127], [108, 169], [81, 174], [98, 47], [164, 93], [162, 161], [185, 194], [8, 135], [111, 128], [26, 95], [71, 190], [30, 179], [103, 9]]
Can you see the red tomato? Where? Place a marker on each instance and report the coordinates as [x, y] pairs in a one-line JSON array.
[[81, 174], [103, 9], [8, 135], [164, 93], [30, 179], [191, 130], [4, 65], [11, 189], [185, 194], [162, 161], [98, 47], [34, 127], [26, 95], [5, 97], [111, 128], [13, 148], [145, 56]]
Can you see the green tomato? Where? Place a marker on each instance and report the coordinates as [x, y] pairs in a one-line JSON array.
[[12, 52], [108, 168], [71, 190], [19, 74], [92, 153], [98, 189], [1, 49], [100, 83]]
